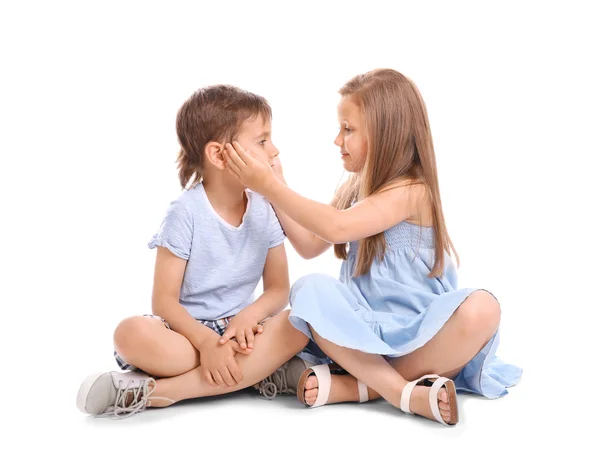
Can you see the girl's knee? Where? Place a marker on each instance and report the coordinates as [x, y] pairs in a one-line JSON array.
[[315, 281], [480, 312], [312, 286]]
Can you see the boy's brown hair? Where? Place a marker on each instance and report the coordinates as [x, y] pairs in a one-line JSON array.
[[213, 113]]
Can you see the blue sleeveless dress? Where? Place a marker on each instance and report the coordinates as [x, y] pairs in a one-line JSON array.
[[394, 309]]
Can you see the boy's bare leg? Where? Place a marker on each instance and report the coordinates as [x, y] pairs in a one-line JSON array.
[[146, 343], [278, 343]]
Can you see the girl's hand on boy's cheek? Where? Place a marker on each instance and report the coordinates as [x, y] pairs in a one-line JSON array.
[[249, 171], [277, 168]]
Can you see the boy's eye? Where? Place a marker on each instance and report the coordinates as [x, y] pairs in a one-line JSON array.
[[262, 142]]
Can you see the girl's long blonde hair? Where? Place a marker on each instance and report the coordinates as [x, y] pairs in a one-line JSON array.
[[399, 147]]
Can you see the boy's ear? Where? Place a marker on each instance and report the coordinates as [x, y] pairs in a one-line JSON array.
[[214, 154]]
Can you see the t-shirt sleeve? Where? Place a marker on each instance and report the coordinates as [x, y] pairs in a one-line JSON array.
[[276, 235], [175, 232]]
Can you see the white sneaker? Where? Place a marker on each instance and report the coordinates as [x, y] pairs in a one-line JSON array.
[[119, 394]]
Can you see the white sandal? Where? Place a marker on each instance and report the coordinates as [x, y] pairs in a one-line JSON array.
[[436, 383], [323, 374]]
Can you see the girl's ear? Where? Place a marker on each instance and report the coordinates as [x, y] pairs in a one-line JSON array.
[[214, 154]]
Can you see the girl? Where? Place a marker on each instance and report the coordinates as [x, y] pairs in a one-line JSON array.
[[395, 321]]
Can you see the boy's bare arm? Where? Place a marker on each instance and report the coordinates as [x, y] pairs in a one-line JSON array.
[[168, 276], [214, 356], [276, 291], [276, 285]]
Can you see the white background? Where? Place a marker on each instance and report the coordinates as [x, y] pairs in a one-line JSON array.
[[89, 93]]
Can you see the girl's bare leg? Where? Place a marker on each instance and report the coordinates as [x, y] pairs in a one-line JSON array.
[[461, 338]]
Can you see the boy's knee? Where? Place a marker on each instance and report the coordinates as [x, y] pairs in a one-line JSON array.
[[131, 331], [289, 332], [284, 321]]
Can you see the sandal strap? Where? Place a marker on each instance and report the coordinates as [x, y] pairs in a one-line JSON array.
[[324, 378], [363, 392], [407, 392], [433, 399]]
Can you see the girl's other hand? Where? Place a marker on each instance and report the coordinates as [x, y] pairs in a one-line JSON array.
[[278, 169]]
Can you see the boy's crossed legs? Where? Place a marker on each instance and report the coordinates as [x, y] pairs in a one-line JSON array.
[[175, 362]]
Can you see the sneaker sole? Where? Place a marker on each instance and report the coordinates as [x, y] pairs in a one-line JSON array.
[[84, 392]]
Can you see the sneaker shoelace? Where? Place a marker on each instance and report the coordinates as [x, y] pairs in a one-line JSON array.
[[139, 399], [275, 384]]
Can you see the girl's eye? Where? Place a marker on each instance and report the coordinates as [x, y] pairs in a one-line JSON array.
[[348, 129]]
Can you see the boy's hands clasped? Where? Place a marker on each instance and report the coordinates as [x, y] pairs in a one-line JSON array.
[[218, 364], [217, 359], [242, 328]]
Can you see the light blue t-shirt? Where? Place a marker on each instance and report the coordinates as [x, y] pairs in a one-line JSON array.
[[224, 263]]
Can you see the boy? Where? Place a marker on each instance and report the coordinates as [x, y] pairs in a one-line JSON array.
[[207, 335]]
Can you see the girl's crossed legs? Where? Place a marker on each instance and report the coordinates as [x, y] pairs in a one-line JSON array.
[[467, 331]]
